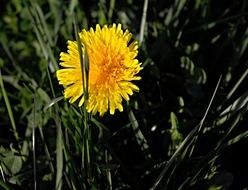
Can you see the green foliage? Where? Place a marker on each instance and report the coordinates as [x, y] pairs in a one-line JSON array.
[[184, 130], [11, 162]]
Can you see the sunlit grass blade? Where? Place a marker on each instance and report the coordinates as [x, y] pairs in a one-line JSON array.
[[143, 22], [2, 173], [236, 106], [53, 102], [236, 139], [34, 145], [241, 79]]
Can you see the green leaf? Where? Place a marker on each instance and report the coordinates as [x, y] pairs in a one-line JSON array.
[[12, 163]]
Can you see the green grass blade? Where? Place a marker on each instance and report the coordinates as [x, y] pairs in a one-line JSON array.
[[235, 139], [41, 19], [33, 144], [233, 108], [46, 150], [53, 102], [7, 103], [241, 79], [111, 10], [143, 22], [59, 155], [2, 173], [85, 67], [102, 12], [109, 178]]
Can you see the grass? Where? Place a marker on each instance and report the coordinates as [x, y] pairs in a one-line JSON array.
[[185, 129]]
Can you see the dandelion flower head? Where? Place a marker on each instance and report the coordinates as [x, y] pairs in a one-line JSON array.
[[112, 68]]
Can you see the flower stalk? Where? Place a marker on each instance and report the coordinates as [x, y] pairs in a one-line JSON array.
[[84, 64]]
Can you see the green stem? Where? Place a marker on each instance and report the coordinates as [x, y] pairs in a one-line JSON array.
[[84, 63], [87, 138]]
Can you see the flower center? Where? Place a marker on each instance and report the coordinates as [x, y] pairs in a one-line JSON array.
[[107, 69]]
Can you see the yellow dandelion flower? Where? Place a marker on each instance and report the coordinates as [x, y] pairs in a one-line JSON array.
[[113, 67]]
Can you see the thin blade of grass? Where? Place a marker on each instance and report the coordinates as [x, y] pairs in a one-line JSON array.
[[236, 106], [41, 19], [33, 144], [59, 155], [244, 75], [9, 109], [53, 102], [109, 178], [235, 139], [2, 173], [143, 22], [111, 10], [102, 10], [242, 46], [46, 150], [85, 67], [71, 170]]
